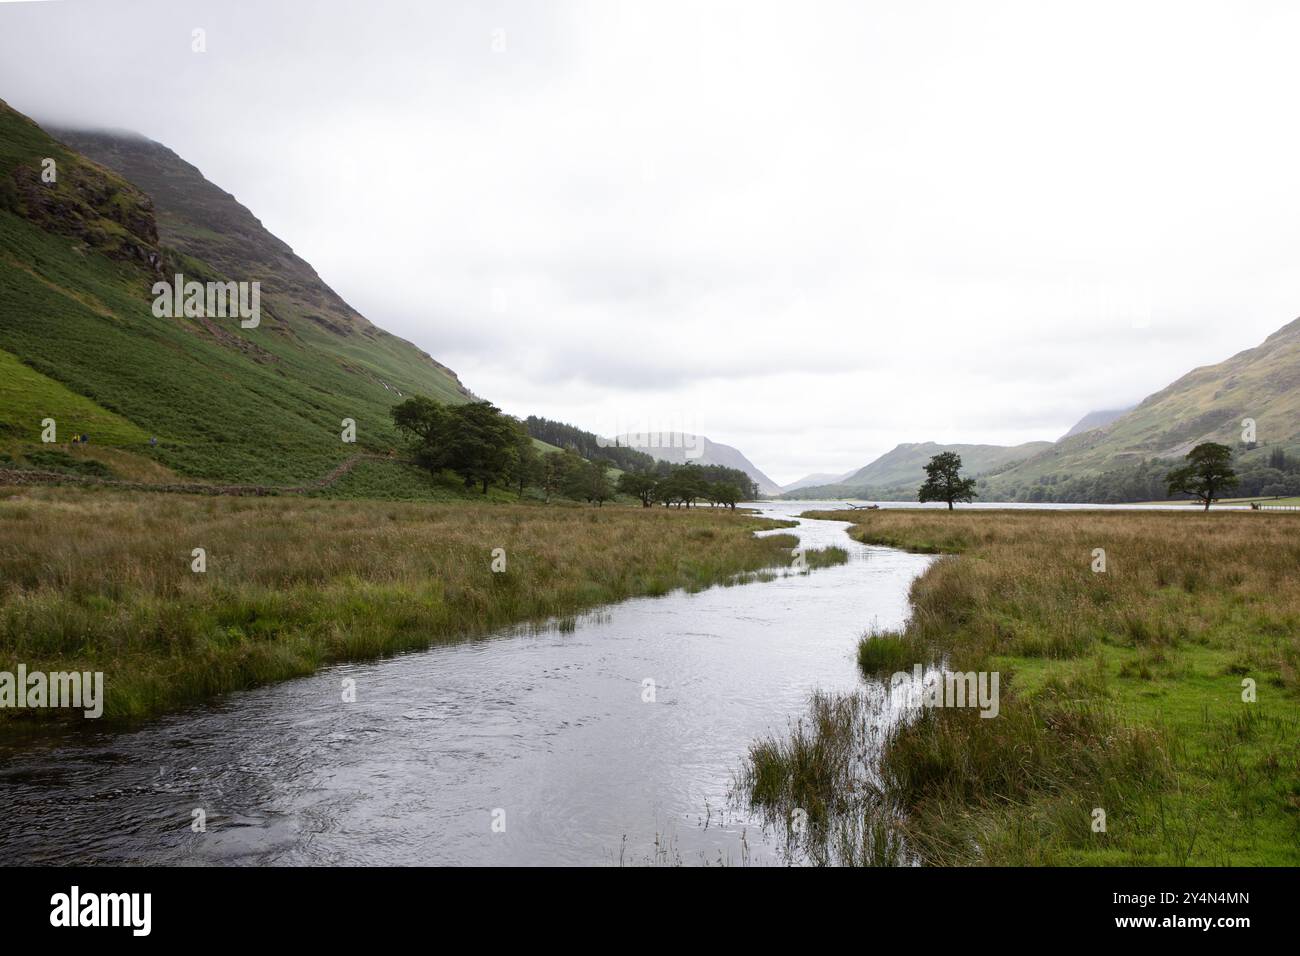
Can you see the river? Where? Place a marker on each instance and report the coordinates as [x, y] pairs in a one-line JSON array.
[[539, 747]]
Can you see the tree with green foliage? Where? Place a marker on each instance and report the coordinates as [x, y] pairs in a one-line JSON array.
[[590, 482], [558, 468], [601, 488], [482, 439], [670, 490], [426, 424], [587, 444], [691, 484], [474, 440], [1208, 472], [525, 465], [944, 482], [639, 485], [724, 493]]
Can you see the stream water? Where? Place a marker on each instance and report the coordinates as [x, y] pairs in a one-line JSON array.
[[538, 747]]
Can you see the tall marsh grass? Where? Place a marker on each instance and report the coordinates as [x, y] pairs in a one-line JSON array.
[[99, 580], [1122, 692]]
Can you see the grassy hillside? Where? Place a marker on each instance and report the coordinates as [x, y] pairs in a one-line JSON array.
[[202, 220], [77, 262], [1207, 404], [899, 473], [28, 397]]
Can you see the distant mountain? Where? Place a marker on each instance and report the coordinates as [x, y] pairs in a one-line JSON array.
[[81, 342], [814, 480], [904, 465], [898, 474], [1094, 420], [1124, 454], [1207, 404], [683, 448]]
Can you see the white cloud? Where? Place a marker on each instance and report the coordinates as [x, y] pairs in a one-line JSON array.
[[816, 230]]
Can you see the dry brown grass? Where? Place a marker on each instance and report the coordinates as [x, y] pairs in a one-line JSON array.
[[98, 580]]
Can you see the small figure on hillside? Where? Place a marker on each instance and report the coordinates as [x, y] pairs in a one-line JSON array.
[[85, 439], [153, 441]]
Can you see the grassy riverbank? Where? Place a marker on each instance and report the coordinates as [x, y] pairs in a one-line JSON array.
[[1120, 691], [98, 580]]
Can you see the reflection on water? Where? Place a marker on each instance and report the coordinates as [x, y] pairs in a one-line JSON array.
[[549, 734]]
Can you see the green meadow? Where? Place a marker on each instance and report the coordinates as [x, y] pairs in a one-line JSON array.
[[1163, 692]]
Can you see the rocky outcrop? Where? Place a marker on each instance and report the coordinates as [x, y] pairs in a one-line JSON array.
[[88, 203]]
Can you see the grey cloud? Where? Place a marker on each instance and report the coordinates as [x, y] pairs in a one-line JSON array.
[[822, 229]]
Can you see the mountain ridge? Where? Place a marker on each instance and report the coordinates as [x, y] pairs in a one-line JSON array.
[[1095, 419], [1210, 403], [897, 474], [199, 218], [196, 397], [683, 447], [816, 479]]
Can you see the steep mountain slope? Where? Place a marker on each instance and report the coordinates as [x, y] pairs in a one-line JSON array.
[[78, 259], [898, 474], [200, 219], [1094, 420], [1206, 404], [682, 448]]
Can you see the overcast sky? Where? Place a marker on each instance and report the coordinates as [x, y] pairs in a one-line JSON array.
[[809, 230]]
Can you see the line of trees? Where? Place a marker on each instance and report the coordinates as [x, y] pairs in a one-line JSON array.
[[716, 474], [593, 447], [587, 444], [484, 446], [682, 486]]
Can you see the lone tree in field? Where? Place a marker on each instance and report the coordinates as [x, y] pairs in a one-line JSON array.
[[1207, 473], [944, 481]]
